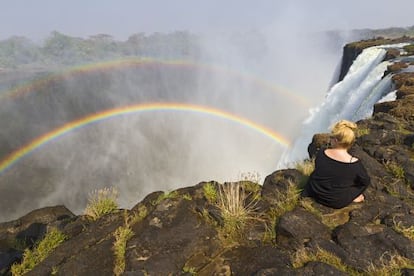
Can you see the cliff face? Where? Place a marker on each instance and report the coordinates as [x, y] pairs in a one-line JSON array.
[[352, 50], [190, 231]]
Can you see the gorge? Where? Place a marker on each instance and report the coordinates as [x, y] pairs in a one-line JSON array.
[[185, 231]]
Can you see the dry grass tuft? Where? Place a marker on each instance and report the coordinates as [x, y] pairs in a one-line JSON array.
[[305, 255], [250, 176], [306, 167], [236, 208], [307, 204], [391, 264], [407, 231], [102, 202]]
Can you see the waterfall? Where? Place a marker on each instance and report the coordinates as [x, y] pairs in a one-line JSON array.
[[352, 99]]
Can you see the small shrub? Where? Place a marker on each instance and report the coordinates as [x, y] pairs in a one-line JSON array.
[[102, 202], [210, 192], [33, 257]]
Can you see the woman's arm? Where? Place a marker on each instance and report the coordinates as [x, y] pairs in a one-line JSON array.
[[363, 178]]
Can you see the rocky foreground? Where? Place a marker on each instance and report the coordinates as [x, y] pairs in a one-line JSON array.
[[187, 232]]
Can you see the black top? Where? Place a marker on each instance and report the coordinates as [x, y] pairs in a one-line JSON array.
[[334, 183]]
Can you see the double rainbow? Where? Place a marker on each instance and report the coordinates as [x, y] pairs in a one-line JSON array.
[[17, 155], [264, 85]]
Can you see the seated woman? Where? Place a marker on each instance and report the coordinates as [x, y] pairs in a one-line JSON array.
[[338, 178]]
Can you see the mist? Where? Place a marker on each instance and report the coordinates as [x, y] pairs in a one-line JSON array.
[[270, 75]]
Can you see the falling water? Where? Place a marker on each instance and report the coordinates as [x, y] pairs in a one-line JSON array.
[[352, 99]]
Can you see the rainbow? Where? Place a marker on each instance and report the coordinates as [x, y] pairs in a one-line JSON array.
[[134, 62], [133, 109]]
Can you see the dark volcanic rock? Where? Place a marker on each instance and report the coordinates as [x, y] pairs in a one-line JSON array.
[[27, 230], [298, 227], [183, 233], [318, 268], [249, 261], [277, 182], [169, 237], [365, 248]]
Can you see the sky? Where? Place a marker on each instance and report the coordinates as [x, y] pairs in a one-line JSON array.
[[121, 18]]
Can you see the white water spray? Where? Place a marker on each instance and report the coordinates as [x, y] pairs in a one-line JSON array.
[[352, 99]]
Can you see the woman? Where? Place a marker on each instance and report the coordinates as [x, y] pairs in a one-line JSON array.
[[339, 178]]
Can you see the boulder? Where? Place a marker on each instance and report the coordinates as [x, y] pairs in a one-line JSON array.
[[297, 228]]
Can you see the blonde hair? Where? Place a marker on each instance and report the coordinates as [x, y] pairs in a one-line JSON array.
[[343, 132]]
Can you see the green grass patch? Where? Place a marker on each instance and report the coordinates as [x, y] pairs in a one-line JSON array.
[[33, 257], [165, 195], [210, 192], [102, 202], [122, 234], [287, 201]]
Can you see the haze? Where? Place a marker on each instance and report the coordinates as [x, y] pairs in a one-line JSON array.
[[36, 19], [275, 63]]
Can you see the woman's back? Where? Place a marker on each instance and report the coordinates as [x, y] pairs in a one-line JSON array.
[[335, 183], [340, 155]]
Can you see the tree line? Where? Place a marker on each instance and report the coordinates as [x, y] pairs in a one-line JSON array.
[[61, 49]]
